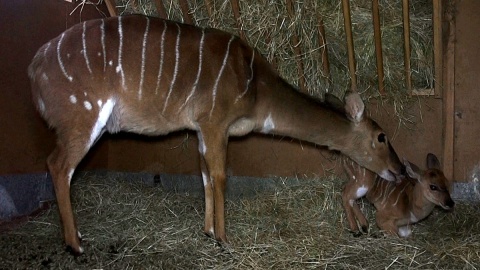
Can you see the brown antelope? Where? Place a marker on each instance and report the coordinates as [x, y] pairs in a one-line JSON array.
[[398, 205], [152, 76]]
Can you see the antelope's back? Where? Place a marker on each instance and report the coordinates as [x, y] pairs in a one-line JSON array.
[[154, 70]]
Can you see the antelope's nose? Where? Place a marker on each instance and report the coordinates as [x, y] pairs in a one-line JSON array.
[[450, 203]]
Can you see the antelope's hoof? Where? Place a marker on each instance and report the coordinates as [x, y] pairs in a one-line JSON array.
[[75, 252], [209, 233]]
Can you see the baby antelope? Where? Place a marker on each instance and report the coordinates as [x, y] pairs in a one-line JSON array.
[[398, 204]]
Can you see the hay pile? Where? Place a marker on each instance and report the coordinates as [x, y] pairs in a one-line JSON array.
[[269, 27], [128, 225]]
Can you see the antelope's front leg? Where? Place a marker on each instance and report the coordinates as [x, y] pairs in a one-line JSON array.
[[213, 147]]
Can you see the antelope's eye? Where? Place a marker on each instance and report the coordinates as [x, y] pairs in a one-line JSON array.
[[433, 187], [381, 137]]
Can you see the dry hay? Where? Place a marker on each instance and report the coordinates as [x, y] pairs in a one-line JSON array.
[[129, 225], [268, 26]]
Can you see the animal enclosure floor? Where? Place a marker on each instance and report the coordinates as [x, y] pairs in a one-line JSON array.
[[129, 225]]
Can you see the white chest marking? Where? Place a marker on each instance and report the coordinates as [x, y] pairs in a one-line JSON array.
[[268, 124], [103, 115]]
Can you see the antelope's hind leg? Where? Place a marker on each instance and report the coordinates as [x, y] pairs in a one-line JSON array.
[[74, 139]]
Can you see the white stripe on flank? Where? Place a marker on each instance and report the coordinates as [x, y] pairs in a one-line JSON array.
[[215, 86], [46, 49], [62, 67], [175, 69], [102, 40], [144, 48], [120, 49], [162, 54], [84, 45], [249, 79], [199, 70], [103, 115]]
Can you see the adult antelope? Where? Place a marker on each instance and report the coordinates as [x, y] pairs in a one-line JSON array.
[[153, 76], [398, 204]]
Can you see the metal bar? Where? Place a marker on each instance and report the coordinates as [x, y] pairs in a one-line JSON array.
[[378, 46], [349, 36]]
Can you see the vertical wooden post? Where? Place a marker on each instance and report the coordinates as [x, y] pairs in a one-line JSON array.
[[449, 96], [351, 52], [378, 46], [438, 46], [236, 15], [187, 17], [112, 8], [406, 45], [322, 40], [210, 11], [296, 47], [162, 12]]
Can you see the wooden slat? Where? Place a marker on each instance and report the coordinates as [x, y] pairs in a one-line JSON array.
[[378, 46], [438, 46], [210, 11], [187, 16], [112, 8], [297, 50], [449, 96], [322, 40], [351, 53], [236, 15], [162, 12], [406, 45]]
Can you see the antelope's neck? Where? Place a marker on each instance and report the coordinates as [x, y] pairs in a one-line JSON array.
[[420, 206], [286, 112]]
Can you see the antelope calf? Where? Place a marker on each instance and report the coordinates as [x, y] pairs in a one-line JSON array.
[[398, 205], [153, 76]]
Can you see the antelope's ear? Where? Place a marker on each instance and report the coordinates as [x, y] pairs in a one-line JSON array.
[[412, 170], [432, 162], [354, 107]]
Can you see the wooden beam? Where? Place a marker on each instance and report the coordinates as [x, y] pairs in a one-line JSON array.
[[406, 45], [236, 14], [449, 95], [351, 51], [162, 12], [112, 8], [438, 47], [297, 50], [378, 46], [187, 16]]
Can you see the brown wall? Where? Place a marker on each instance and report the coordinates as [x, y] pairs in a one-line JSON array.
[[25, 140], [25, 25]]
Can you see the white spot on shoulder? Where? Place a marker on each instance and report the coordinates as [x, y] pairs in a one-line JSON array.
[[44, 76], [361, 191], [268, 124], [41, 105], [73, 99], [110, 63], [99, 53], [87, 105], [99, 102]]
